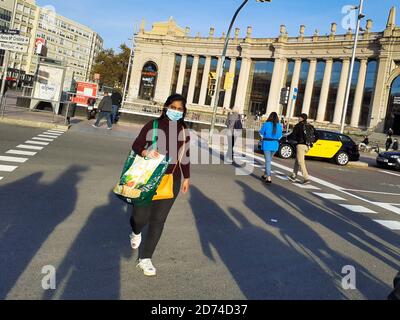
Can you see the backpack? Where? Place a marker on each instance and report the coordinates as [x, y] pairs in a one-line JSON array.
[[309, 135]]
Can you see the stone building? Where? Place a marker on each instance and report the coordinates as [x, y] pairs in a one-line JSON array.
[[168, 60]]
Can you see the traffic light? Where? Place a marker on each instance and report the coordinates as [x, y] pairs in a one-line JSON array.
[[212, 84], [285, 94]]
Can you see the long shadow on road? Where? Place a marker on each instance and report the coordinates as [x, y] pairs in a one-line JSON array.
[[30, 212], [350, 232], [91, 269], [263, 266]]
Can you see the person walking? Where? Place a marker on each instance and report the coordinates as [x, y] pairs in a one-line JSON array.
[[395, 146], [389, 142], [390, 132], [116, 98], [271, 133], [173, 141], [304, 135], [105, 108], [234, 125]]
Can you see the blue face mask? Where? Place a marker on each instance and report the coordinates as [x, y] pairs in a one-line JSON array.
[[174, 115]]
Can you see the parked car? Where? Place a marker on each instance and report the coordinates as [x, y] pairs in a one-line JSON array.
[[389, 160], [329, 145]]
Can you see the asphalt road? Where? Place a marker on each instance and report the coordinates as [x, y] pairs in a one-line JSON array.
[[232, 237]]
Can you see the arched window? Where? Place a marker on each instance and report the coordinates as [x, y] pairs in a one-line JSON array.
[[393, 114], [148, 81]]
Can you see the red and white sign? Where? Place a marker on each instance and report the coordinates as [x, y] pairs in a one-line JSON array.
[[84, 92], [40, 43]]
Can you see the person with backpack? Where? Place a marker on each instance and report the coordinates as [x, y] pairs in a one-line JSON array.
[[305, 136], [271, 134], [173, 141], [116, 98]]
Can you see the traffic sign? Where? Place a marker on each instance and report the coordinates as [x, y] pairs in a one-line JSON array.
[[9, 31], [229, 79], [13, 38], [285, 94], [14, 47]]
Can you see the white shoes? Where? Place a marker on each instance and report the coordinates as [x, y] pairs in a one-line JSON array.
[[136, 240], [147, 267]]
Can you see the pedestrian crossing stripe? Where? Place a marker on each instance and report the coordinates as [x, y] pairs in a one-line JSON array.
[[47, 136], [13, 159], [43, 139], [1, 178], [358, 209], [23, 146], [392, 225], [21, 153], [329, 196], [37, 143], [5, 168], [306, 186]]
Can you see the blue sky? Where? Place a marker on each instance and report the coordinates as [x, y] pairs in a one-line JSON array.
[[114, 20]]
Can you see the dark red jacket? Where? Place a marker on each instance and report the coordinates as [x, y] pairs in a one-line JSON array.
[[170, 140]]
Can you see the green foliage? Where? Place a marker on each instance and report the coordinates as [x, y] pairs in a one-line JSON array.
[[112, 66]]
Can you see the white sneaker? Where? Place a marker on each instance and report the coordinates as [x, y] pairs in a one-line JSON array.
[[136, 240], [147, 267]]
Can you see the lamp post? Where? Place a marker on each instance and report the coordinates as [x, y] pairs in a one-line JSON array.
[[221, 70], [353, 59], [129, 68]]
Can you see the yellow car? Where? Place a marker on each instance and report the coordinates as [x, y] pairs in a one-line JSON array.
[[329, 145]]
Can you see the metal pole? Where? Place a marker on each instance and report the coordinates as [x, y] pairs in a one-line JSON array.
[[129, 68], [353, 59], [221, 71], [290, 114]]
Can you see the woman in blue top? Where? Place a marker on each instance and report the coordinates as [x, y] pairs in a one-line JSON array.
[[271, 133]]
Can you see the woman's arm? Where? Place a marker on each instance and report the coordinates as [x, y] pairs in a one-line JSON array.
[[141, 143]]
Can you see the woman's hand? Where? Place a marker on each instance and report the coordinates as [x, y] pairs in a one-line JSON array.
[[153, 154], [186, 186]]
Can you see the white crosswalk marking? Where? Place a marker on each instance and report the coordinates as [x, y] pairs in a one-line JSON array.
[[306, 186], [21, 153], [284, 178], [1, 178], [392, 225], [13, 159], [7, 168], [23, 146], [358, 209], [47, 136], [54, 132], [43, 139], [37, 143], [329, 196]]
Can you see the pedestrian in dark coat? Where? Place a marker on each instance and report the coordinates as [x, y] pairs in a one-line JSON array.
[[389, 143], [105, 108]]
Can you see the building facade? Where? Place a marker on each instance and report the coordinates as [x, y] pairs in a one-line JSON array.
[[65, 39], [168, 60]]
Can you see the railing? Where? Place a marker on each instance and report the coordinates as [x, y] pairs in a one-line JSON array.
[[156, 110]]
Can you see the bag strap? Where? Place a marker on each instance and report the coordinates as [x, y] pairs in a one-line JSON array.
[[182, 153], [155, 129]]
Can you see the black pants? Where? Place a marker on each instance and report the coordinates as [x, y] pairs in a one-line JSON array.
[[154, 215]]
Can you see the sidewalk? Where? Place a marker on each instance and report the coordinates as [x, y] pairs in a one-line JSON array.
[[36, 119]]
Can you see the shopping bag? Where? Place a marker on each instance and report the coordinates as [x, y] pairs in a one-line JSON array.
[[141, 177]]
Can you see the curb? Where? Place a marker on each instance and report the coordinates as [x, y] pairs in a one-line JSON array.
[[358, 164], [34, 124]]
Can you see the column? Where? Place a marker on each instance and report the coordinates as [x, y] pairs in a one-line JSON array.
[[228, 93], [219, 66], [355, 116], [379, 107], [323, 101], [275, 89], [242, 85], [310, 86], [295, 84], [339, 108], [204, 82], [181, 77], [193, 78]]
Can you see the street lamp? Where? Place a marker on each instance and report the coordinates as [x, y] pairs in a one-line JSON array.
[[353, 60], [221, 71], [131, 53]]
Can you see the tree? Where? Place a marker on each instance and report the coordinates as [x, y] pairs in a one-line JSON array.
[[112, 66]]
